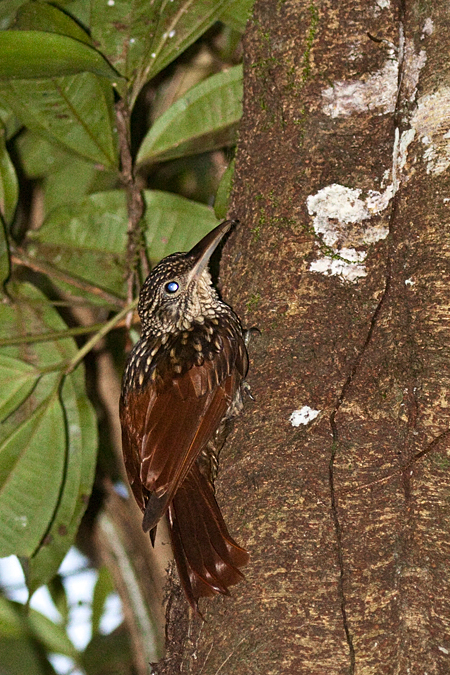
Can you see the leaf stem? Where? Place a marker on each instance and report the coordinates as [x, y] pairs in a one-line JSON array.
[[106, 328]]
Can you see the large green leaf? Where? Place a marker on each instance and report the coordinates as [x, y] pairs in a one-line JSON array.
[[42, 16], [9, 188], [75, 111], [19, 656], [76, 485], [52, 636], [18, 381], [8, 10], [205, 118], [48, 447], [104, 586], [38, 156], [36, 54], [173, 223], [140, 38], [237, 13], [19, 632], [32, 462], [88, 240]]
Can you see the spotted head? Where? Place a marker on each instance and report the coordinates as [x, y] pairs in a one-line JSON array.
[[178, 292]]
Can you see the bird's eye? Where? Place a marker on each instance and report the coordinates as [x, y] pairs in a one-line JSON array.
[[171, 287]]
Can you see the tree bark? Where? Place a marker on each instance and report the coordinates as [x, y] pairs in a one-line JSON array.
[[342, 262]]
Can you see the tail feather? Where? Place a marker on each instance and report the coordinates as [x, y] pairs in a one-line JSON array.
[[207, 558]]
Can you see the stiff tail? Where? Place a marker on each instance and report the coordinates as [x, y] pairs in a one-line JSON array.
[[207, 558]]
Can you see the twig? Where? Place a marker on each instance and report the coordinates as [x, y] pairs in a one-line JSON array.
[[135, 203]]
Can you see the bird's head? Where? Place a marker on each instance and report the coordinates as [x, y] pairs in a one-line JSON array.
[[178, 292]]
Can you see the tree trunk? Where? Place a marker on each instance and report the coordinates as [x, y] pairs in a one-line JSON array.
[[336, 478]]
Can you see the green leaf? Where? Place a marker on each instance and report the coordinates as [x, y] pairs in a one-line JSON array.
[[51, 636], [31, 470], [42, 16], [19, 656], [36, 54], [179, 24], [88, 240], [224, 191], [140, 38], [205, 118], [38, 156], [8, 10], [122, 29], [75, 111], [173, 223], [110, 654], [18, 381], [103, 588], [11, 623], [237, 13], [9, 187], [48, 451], [5, 265], [76, 486], [58, 595]]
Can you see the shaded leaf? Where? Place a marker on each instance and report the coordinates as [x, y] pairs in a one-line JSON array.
[[178, 24], [140, 38], [19, 656], [76, 111], [32, 461], [42, 16], [58, 594], [103, 588], [88, 240], [51, 635], [5, 265], [58, 497], [11, 623], [205, 118], [76, 487], [9, 187], [122, 30], [108, 654], [38, 156], [224, 191], [8, 10], [36, 54], [18, 380], [237, 13], [173, 223]]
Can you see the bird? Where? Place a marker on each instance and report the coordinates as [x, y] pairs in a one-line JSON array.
[[182, 383]]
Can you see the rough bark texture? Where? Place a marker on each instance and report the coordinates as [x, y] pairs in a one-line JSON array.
[[347, 518]]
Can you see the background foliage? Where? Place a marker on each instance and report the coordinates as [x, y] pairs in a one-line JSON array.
[[114, 116]]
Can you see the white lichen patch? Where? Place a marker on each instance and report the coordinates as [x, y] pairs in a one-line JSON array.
[[303, 416], [428, 28], [431, 122], [339, 215], [347, 264], [378, 93], [413, 64]]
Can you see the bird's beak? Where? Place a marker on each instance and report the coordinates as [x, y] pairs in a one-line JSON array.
[[202, 252]]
